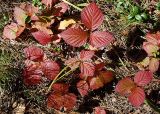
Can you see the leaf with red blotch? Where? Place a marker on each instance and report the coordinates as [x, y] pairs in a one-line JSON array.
[[34, 53], [60, 87], [59, 100], [61, 8], [50, 69], [87, 68], [153, 64], [106, 76], [95, 83], [150, 48], [86, 55], [125, 86], [100, 39], [99, 110], [92, 16], [137, 97], [143, 78], [101, 78], [41, 36], [75, 37], [20, 16], [12, 31], [83, 87], [73, 63]]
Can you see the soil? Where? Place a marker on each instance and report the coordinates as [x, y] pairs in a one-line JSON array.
[[19, 99]]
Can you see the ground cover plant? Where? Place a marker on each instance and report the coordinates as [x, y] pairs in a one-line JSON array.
[[80, 57]]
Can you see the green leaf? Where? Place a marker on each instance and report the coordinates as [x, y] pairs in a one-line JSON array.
[[138, 17]]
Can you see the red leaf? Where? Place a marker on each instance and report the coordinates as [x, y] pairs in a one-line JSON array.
[[86, 55], [87, 69], [125, 86], [137, 97], [100, 39], [12, 31], [73, 63], [20, 16], [58, 101], [62, 6], [50, 69], [99, 110], [83, 87], [30, 10], [153, 64], [92, 16], [34, 53], [143, 77], [75, 37], [60, 87], [153, 38], [42, 37], [150, 48], [49, 3], [32, 79]]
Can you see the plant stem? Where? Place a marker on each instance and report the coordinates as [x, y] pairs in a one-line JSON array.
[[65, 75], [72, 5], [49, 88]]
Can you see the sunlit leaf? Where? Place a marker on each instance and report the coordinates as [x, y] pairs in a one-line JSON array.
[[12, 31], [50, 69], [42, 37], [154, 64], [137, 97], [100, 39], [34, 53], [75, 37], [20, 16], [92, 16], [150, 48], [58, 101], [83, 87], [30, 10], [125, 86], [96, 83], [143, 78], [66, 23]]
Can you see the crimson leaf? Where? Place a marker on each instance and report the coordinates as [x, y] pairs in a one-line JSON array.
[[92, 16], [34, 53], [87, 68], [100, 39], [42, 37], [50, 69], [75, 37], [59, 100]]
